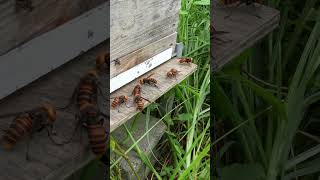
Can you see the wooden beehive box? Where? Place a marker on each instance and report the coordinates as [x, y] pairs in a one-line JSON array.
[[38, 36], [142, 42]]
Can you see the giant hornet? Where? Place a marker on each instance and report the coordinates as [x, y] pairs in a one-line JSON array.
[[172, 73], [138, 99], [102, 60], [185, 60], [27, 123], [246, 2], [86, 90], [118, 101], [149, 80], [90, 117]]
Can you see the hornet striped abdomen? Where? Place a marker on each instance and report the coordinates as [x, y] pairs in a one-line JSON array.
[[97, 138], [27, 124], [17, 130], [88, 88]]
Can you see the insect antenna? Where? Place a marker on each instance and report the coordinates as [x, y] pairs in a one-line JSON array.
[[150, 75], [71, 100], [52, 139], [74, 131]]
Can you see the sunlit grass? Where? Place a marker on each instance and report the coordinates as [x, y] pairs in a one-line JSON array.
[[270, 145], [185, 110]]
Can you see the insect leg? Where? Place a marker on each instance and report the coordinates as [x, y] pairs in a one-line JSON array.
[[72, 99], [127, 105], [74, 131], [28, 144], [52, 139], [156, 86], [101, 92]]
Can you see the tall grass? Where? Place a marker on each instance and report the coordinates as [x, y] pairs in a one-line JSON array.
[[281, 142], [185, 110]]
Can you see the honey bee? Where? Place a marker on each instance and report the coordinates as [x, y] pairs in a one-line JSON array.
[[119, 100], [172, 73], [28, 123], [186, 60], [101, 61], [149, 80]]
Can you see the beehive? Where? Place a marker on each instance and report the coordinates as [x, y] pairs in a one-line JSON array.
[[142, 42]]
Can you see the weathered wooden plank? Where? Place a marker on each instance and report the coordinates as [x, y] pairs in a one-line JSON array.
[[128, 61], [151, 93], [18, 26], [49, 161], [50, 50], [244, 29], [137, 23]]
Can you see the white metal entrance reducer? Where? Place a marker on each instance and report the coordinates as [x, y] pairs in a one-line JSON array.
[[140, 69]]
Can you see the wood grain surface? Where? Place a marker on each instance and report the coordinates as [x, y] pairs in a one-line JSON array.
[[136, 23], [49, 161], [18, 26], [149, 92], [243, 29], [129, 61]]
